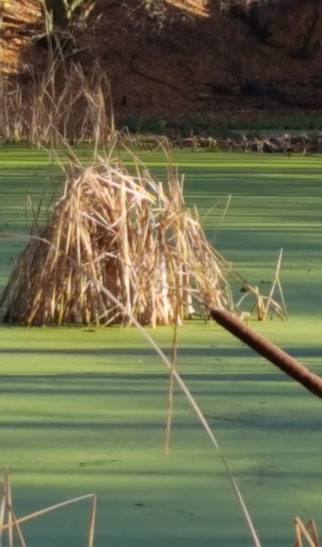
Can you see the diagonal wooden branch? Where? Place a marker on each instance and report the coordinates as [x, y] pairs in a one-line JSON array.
[[288, 364]]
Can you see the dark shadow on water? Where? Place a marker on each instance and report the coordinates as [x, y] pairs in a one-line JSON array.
[[138, 376], [259, 423], [193, 351]]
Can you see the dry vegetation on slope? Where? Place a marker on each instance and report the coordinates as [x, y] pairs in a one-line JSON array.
[[195, 57]]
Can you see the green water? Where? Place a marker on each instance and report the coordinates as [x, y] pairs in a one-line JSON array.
[[83, 410]]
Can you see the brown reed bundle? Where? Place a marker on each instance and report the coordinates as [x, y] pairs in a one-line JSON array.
[[133, 236]]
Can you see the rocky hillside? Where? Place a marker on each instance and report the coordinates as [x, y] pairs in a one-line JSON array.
[[228, 59]]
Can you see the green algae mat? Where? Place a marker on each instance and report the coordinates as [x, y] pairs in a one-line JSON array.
[[83, 410]]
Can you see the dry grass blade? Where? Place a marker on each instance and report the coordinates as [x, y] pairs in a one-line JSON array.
[[10, 518], [91, 530], [3, 505], [298, 534], [14, 525], [222, 218], [312, 527], [275, 282], [171, 381]]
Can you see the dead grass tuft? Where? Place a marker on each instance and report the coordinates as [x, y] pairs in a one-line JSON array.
[[130, 233], [62, 102]]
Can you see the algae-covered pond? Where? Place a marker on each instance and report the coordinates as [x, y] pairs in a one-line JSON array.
[[83, 410]]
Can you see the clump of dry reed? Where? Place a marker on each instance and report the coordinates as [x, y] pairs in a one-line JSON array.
[[131, 234], [306, 534], [63, 101], [10, 523]]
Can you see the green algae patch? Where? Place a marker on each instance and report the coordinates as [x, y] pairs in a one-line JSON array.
[[85, 409]]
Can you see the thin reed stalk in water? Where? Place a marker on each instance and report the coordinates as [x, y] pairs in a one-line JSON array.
[[192, 401], [171, 378], [13, 523], [277, 283]]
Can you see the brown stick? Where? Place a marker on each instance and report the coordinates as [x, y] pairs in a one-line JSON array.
[[267, 349]]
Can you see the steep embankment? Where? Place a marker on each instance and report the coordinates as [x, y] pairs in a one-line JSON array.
[[17, 25], [195, 58]]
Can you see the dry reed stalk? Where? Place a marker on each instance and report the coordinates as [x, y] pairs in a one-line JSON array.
[[222, 218], [263, 304], [2, 515], [10, 517], [278, 283], [171, 379], [13, 523]]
